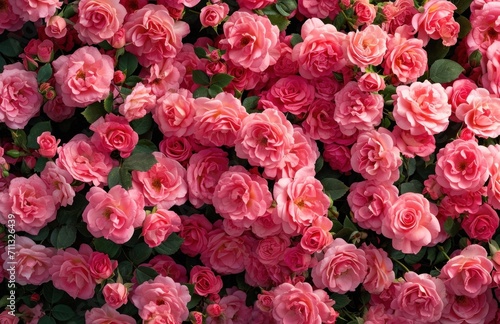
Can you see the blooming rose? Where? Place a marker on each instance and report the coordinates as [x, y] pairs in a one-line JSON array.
[[56, 27], [153, 35], [177, 148], [254, 4], [317, 236], [462, 309], [459, 91], [57, 111], [231, 307], [482, 224], [58, 181], [318, 123], [170, 74], [115, 294], [411, 222], [158, 226], [376, 156], [101, 266], [34, 10], [9, 20], [115, 214], [250, 41], [397, 14], [371, 82], [164, 184], [291, 94], [99, 20], [366, 47], [31, 203], [421, 108], [19, 96], [410, 145], [338, 157], [174, 113], [205, 281], [71, 272], [380, 275], [83, 77], [406, 59], [138, 103], [318, 8], [365, 12], [7, 318], [106, 314], [48, 144], [437, 22], [213, 14], [485, 26], [114, 133], [270, 250], [321, 52], [461, 167], [481, 113]]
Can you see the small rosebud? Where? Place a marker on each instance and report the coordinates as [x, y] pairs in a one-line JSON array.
[[35, 297], [196, 317], [45, 51], [30, 161], [118, 39], [118, 77], [214, 310]]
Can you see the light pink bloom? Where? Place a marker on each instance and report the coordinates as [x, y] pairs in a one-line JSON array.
[[58, 181], [485, 26], [231, 308], [113, 132], [269, 251], [56, 27], [9, 20], [405, 58], [105, 315], [212, 15], [166, 267], [397, 14], [316, 237], [366, 47], [380, 275], [291, 94], [174, 113], [101, 266], [48, 145], [158, 226], [437, 22], [463, 309], [138, 103], [410, 145], [115, 294], [318, 8], [318, 123], [30, 10], [371, 82]]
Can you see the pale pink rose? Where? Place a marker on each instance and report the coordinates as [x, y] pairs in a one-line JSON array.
[[371, 82], [369, 202], [162, 295], [115, 214], [493, 189], [422, 108], [153, 35], [318, 8], [115, 294], [322, 51], [203, 173], [296, 259], [468, 273], [205, 281], [7, 318], [461, 167], [194, 232], [365, 12], [250, 41], [31, 315], [357, 110], [410, 145], [58, 182], [106, 315], [458, 92], [48, 145], [366, 47], [318, 123], [218, 120], [70, 272], [254, 4], [233, 308], [113, 132], [19, 96], [33, 261], [291, 94], [411, 222], [168, 75], [99, 20], [164, 184], [265, 138], [397, 14], [342, 268], [30, 10], [212, 15], [338, 157], [244, 79], [174, 113], [56, 27], [269, 251], [481, 113], [83, 161], [299, 201], [138, 103], [83, 77], [31, 203], [57, 111], [463, 309], [437, 22], [481, 225], [8, 19], [420, 297], [380, 274], [376, 156], [158, 226], [485, 27], [406, 59], [316, 237], [167, 267], [101, 266]]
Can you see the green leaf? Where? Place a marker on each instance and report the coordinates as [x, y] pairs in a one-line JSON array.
[[171, 245], [42, 234], [286, 7], [63, 237], [270, 10], [10, 47], [2, 63], [279, 21], [142, 125], [214, 90], [465, 26], [108, 103], [36, 131], [200, 92], [475, 58], [143, 274], [435, 51], [195, 299], [349, 224], [126, 269], [105, 45], [62, 312], [415, 258], [140, 253], [114, 177], [40, 164], [444, 70], [200, 77], [145, 146], [340, 21], [451, 227], [47, 320], [94, 111], [341, 301], [412, 186], [128, 63], [250, 103], [334, 188], [200, 52], [51, 294], [462, 5], [125, 178], [106, 246], [222, 79], [296, 38], [319, 164], [19, 137], [44, 73], [139, 161], [132, 80]]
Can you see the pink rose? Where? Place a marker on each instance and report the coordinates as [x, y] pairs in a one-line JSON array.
[[254, 4], [380, 275], [481, 113], [115, 294], [365, 12], [266, 226], [138, 103], [410, 145], [437, 22], [411, 222], [463, 309], [56, 27], [297, 259], [31, 203], [58, 182], [291, 94], [19, 97], [33, 261], [158, 226], [420, 297], [9, 20], [113, 132], [205, 281], [153, 35], [218, 120], [48, 145], [482, 224], [106, 314], [83, 77], [397, 14], [318, 8], [101, 266], [7, 318], [406, 59], [34, 10], [485, 26], [371, 82], [45, 51], [338, 157], [342, 267], [366, 47], [459, 91], [285, 66], [162, 296], [316, 237], [422, 108], [326, 87], [57, 111], [376, 156], [166, 267], [322, 51], [212, 15], [169, 75], [31, 315], [232, 308], [164, 184], [318, 123], [250, 41], [270, 250], [174, 113], [99, 20], [461, 167], [71, 272], [114, 214]]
